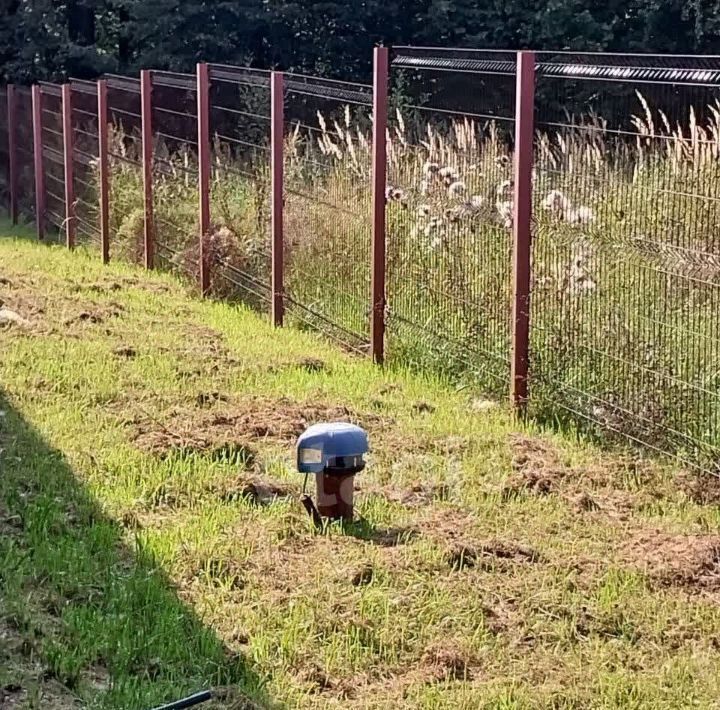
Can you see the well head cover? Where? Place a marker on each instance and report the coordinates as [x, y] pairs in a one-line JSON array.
[[322, 445]]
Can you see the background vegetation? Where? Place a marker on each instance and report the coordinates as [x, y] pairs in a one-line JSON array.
[[43, 39]]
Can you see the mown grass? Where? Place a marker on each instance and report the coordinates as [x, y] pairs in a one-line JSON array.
[[143, 555]]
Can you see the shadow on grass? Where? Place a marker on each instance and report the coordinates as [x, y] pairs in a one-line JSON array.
[[363, 529], [81, 611]]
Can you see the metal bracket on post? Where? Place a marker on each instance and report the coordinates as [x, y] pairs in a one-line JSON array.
[[203, 125], [277, 131], [379, 180], [522, 228], [68, 166], [147, 161], [38, 161], [104, 170], [12, 152]]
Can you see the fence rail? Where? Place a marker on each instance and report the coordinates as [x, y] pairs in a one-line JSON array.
[[546, 225]]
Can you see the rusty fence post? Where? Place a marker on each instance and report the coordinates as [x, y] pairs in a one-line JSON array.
[[38, 161], [147, 162], [12, 152], [379, 181], [203, 126], [68, 151], [522, 231], [103, 170], [277, 130]]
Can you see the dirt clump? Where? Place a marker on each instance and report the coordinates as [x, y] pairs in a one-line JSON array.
[[454, 532], [312, 364], [488, 555], [670, 560], [10, 317], [125, 351], [95, 315], [418, 495], [207, 399], [104, 286], [363, 576], [700, 488], [536, 468], [259, 490], [443, 661], [423, 408]]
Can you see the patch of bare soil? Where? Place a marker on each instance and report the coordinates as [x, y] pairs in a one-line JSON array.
[[20, 307], [537, 467], [104, 286], [390, 537], [311, 364], [688, 561], [538, 470], [418, 495], [29, 681], [204, 345], [208, 399], [259, 490], [95, 314], [701, 488], [454, 532], [125, 351], [488, 555], [443, 660], [253, 419], [123, 282]]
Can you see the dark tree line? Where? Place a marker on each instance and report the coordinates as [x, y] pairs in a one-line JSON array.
[[45, 39]]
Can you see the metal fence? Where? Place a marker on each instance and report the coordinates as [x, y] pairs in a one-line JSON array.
[[540, 223], [326, 216], [85, 152], [239, 243], [626, 256], [449, 211], [128, 218], [53, 157]]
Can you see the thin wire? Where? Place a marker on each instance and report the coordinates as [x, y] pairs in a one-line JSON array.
[[238, 112]]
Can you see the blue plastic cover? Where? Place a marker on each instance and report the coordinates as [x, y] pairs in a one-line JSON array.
[[320, 444]]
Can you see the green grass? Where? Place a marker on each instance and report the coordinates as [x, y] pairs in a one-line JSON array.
[[492, 565]]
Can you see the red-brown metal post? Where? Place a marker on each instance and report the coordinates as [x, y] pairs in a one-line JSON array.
[[203, 125], [38, 161], [103, 170], [522, 217], [277, 130], [68, 166], [147, 154], [379, 179], [12, 151]]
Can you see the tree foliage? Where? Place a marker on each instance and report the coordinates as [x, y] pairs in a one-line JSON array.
[[46, 39]]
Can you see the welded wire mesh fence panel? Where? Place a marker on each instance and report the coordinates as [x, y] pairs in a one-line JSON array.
[[125, 159], [53, 160], [4, 152], [449, 212], [238, 246], [328, 127], [175, 172], [24, 148], [626, 257], [84, 121]]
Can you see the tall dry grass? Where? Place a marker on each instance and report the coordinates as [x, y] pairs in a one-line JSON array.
[[626, 259]]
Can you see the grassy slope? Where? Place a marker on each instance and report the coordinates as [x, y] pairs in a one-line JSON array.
[[494, 567]]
